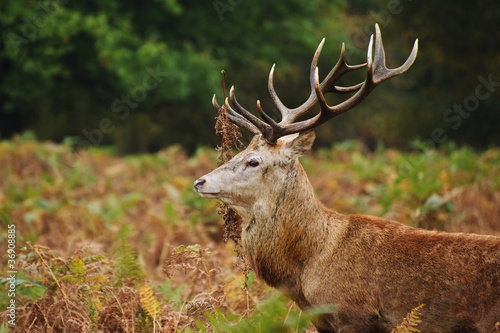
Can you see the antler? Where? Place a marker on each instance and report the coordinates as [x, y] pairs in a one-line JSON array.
[[376, 72]]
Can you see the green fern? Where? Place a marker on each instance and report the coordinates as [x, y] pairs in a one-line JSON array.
[[126, 265], [410, 323], [77, 270], [272, 315]]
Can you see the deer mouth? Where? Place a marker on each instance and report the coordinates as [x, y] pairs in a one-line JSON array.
[[208, 195]]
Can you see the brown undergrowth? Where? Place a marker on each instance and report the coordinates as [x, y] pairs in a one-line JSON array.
[[123, 244]]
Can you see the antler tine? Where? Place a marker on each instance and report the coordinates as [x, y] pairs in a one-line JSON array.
[[381, 72], [247, 115], [328, 112], [270, 85], [340, 69], [328, 85], [376, 72], [289, 115], [235, 118]]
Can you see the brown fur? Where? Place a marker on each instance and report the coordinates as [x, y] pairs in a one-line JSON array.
[[371, 271]]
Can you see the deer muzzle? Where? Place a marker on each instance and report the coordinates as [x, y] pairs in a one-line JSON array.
[[198, 184]]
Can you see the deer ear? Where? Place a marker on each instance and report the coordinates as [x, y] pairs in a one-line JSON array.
[[299, 144]]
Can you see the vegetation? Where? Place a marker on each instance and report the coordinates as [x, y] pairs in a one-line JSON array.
[[115, 243], [411, 322], [141, 77]]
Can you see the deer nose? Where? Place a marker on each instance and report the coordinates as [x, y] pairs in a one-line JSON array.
[[198, 184]]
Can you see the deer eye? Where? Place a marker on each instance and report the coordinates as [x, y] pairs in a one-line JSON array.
[[253, 163]]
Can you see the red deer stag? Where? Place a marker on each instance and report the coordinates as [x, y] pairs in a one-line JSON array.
[[371, 271]]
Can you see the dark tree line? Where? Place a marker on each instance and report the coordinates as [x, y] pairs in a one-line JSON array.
[[140, 76]]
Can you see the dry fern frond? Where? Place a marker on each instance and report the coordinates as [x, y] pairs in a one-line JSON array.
[[190, 258], [171, 321], [228, 130], [119, 312], [149, 302], [205, 302], [496, 328], [230, 139], [410, 323]]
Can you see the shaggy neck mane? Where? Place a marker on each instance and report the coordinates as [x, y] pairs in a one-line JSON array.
[[285, 240]]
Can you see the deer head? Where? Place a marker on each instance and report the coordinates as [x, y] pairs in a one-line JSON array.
[[255, 176], [261, 169]]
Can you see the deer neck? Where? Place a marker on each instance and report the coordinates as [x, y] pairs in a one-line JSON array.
[[283, 233]]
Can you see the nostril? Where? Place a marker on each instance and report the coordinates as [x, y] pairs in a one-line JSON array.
[[198, 184]]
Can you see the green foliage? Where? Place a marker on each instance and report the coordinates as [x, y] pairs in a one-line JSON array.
[[138, 218], [173, 294], [434, 203], [126, 266], [122, 69], [77, 268], [139, 76], [274, 314], [30, 290]]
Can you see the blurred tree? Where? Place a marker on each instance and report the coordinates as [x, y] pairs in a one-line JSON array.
[[452, 90], [141, 76], [88, 69], [458, 73]]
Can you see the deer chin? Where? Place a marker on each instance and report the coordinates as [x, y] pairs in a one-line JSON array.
[[216, 195]]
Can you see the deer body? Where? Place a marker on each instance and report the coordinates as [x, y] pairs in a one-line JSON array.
[[370, 271]]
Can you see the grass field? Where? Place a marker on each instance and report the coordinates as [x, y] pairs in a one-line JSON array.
[[123, 244]]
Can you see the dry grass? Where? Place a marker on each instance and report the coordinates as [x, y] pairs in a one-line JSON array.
[[93, 229]]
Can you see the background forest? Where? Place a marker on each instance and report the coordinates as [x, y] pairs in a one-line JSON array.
[[140, 76], [106, 120]]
